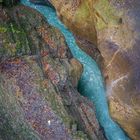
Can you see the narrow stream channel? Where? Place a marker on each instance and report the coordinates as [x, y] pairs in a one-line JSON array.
[[91, 83]]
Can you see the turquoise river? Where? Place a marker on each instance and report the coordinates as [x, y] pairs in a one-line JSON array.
[[91, 83]]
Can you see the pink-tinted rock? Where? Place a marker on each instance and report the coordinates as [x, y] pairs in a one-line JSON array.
[[38, 80]]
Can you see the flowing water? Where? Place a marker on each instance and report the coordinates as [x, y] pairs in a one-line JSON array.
[[91, 83]]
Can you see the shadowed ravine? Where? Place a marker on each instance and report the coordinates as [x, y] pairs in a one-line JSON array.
[[91, 83]]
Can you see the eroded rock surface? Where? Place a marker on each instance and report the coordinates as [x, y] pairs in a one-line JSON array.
[[114, 28], [38, 80]]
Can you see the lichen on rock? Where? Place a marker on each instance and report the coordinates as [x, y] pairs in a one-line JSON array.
[[39, 77]]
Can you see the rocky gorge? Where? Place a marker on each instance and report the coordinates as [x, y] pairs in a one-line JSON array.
[[113, 27], [39, 76]]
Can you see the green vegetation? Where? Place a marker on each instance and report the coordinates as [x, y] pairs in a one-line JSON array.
[[101, 14], [14, 39], [3, 29], [82, 12], [105, 14]]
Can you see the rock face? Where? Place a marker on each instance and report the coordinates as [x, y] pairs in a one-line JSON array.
[[90, 49], [38, 80], [42, 2], [114, 28]]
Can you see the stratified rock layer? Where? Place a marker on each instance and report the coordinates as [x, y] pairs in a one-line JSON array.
[[114, 28], [38, 80]]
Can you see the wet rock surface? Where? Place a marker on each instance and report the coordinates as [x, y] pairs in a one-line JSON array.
[[113, 27], [39, 76]]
